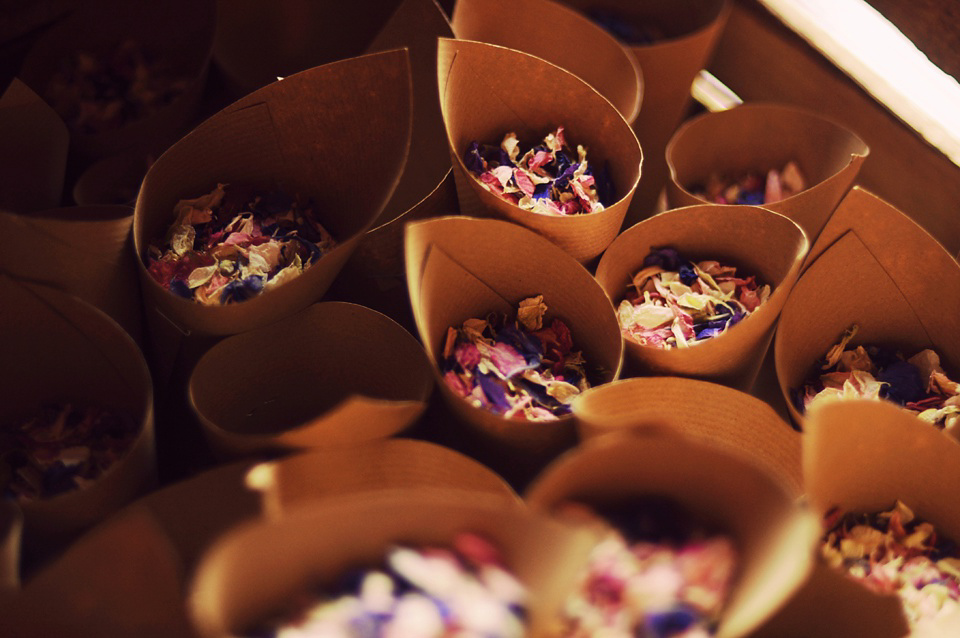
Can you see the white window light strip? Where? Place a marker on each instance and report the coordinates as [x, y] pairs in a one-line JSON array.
[[875, 54], [712, 93]]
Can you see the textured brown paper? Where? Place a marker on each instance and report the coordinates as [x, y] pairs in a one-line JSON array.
[[334, 374], [257, 568], [459, 268], [487, 91], [773, 535], [33, 151], [875, 268], [712, 414], [754, 240], [301, 480], [311, 134], [60, 348], [85, 251], [124, 579], [560, 36], [691, 29], [179, 33], [112, 180], [758, 137]]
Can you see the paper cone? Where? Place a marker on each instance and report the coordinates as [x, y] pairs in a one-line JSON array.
[[299, 481], [11, 530], [85, 251], [560, 36], [734, 422], [480, 102], [875, 268], [773, 536], [34, 145], [112, 180], [690, 29], [310, 134], [754, 240], [60, 348], [335, 374], [758, 137], [459, 268], [258, 568], [180, 34]]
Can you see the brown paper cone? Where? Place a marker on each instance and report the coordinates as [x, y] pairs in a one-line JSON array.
[[34, 145], [773, 536], [310, 134], [758, 137], [560, 36], [480, 102], [690, 29], [112, 180], [301, 480], [60, 348], [85, 251], [180, 34], [122, 580], [335, 374], [257, 568], [458, 268], [754, 240], [11, 530], [736, 423], [875, 268]]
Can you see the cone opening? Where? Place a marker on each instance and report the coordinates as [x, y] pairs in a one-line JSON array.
[[650, 23]]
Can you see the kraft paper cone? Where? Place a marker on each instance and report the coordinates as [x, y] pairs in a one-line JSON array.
[[85, 251], [459, 268], [756, 241], [34, 143], [180, 34], [256, 569], [690, 29], [877, 269], [124, 579], [758, 137], [112, 180], [482, 102], [560, 36], [335, 374], [301, 480], [711, 414], [774, 536], [61, 348], [310, 134]]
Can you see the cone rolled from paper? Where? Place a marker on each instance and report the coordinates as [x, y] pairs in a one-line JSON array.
[[33, 151], [85, 251], [712, 414], [754, 240], [255, 570], [58, 347], [333, 375], [112, 180], [11, 529], [690, 29], [300, 480], [309, 134], [774, 537], [482, 102], [760, 137], [560, 36], [876, 269], [459, 268], [178, 34]]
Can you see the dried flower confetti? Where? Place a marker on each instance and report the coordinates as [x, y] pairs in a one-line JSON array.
[[98, 93], [675, 303], [62, 447], [546, 178], [651, 578], [521, 368], [917, 384], [893, 551], [232, 244], [751, 188], [433, 592]]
